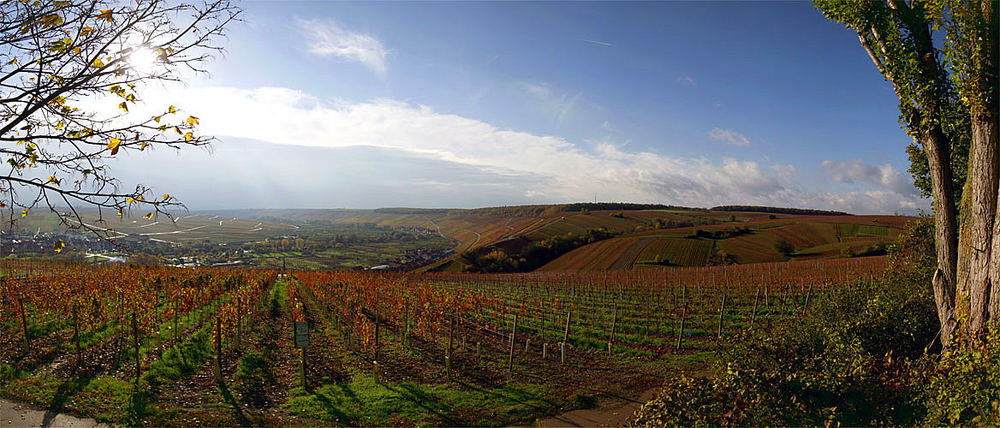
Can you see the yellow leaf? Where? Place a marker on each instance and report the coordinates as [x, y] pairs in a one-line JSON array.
[[24, 212], [149, 215], [58, 246], [188, 137], [123, 106], [191, 120], [52, 179], [119, 213], [166, 196], [129, 201], [106, 15], [114, 144], [97, 63], [171, 109], [156, 119]]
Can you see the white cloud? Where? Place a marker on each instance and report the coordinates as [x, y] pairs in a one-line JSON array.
[[731, 137], [546, 168], [685, 80], [326, 38], [885, 176]]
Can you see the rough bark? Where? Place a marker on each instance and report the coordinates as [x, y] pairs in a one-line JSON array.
[[945, 230], [977, 232]]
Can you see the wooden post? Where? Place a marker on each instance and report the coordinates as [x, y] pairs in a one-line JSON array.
[[722, 313], [510, 355], [176, 315], [218, 349], [135, 336], [302, 368], [451, 338], [614, 323], [527, 342], [808, 294], [24, 323], [76, 335], [753, 317], [406, 328], [376, 337], [545, 350], [680, 331]]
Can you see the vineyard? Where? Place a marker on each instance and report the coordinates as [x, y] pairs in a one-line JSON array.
[[173, 346]]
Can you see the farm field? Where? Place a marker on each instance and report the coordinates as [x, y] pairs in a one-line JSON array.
[[212, 346], [811, 237]]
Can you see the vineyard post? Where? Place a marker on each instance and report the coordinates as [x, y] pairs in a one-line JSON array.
[[406, 323], [218, 350], [680, 331], [614, 323], [24, 321], [646, 319], [510, 354], [808, 294], [527, 342], [376, 336], [562, 345], [135, 339], [753, 317], [545, 350], [784, 299], [175, 323], [451, 338], [239, 324], [722, 312], [302, 368], [767, 303], [76, 334]]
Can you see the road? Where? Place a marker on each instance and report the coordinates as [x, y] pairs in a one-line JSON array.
[[20, 415]]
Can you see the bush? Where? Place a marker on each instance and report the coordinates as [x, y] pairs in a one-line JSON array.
[[784, 247], [858, 359], [965, 388]]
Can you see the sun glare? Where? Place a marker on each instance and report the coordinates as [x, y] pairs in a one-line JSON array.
[[142, 60]]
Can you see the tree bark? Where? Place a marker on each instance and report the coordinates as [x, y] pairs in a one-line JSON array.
[[945, 230], [976, 245]]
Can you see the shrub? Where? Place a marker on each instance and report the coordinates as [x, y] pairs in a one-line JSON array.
[[784, 247], [859, 358]]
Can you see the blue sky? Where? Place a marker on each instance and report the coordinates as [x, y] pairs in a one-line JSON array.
[[370, 104]]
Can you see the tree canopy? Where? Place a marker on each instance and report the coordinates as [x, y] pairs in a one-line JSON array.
[[71, 75]]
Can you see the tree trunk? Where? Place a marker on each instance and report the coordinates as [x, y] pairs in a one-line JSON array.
[[977, 243], [945, 230]]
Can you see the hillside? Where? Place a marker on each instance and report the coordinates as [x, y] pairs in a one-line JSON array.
[[603, 240]]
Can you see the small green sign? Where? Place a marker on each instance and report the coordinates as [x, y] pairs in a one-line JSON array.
[[301, 334]]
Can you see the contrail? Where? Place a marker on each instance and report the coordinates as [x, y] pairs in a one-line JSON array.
[[596, 42]]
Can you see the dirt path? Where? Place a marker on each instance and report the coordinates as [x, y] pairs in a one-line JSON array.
[[609, 414], [20, 415]]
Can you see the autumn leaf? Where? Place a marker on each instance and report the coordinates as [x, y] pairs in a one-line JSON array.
[[114, 144], [191, 120], [58, 247], [123, 106], [171, 109], [188, 137], [97, 63], [166, 196], [149, 215], [52, 180], [24, 212], [105, 15]]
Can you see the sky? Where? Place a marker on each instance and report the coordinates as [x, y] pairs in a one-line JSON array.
[[469, 104]]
